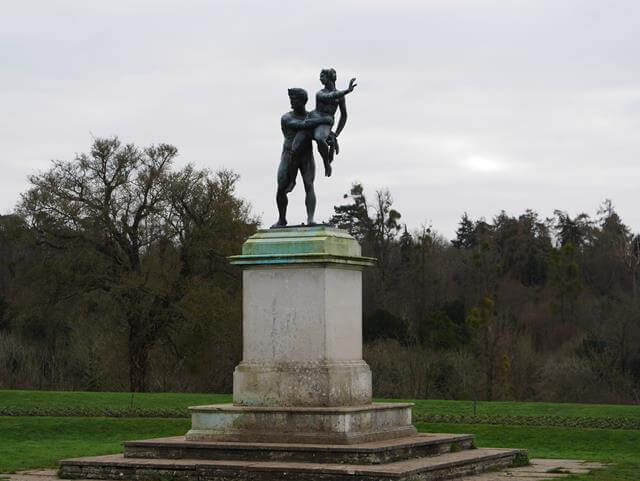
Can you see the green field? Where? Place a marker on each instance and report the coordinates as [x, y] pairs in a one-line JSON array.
[[33, 442], [161, 404], [103, 403], [620, 447], [39, 441], [552, 442], [509, 408]]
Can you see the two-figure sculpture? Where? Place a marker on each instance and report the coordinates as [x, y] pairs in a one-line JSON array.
[[299, 128]]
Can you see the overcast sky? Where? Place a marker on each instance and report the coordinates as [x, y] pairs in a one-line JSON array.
[[472, 106]]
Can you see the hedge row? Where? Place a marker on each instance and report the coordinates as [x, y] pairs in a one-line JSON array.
[[577, 422], [94, 412], [560, 421]]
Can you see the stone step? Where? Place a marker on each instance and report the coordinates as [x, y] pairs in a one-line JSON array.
[[376, 452], [301, 424], [445, 466]]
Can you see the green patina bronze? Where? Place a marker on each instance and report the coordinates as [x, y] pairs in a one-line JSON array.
[[301, 245]]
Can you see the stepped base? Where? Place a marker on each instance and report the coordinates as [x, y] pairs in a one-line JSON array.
[[445, 466], [312, 425], [378, 452]]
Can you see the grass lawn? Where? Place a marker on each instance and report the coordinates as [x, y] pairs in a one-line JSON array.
[[512, 408], [39, 441], [552, 442], [618, 446], [34, 442], [92, 403]]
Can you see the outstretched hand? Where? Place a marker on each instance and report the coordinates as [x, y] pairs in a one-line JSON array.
[[352, 85]]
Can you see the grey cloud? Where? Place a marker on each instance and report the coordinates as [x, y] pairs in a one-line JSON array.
[[546, 92]]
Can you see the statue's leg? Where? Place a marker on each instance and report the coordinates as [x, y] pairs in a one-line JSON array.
[[282, 201], [308, 171], [320, 134], [285, 185]]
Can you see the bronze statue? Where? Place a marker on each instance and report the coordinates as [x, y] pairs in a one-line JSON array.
[[292, 123], [299, 128]]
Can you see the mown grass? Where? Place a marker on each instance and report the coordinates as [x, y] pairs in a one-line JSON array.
[[39, 442], [90, 403], [30, 403], [552, 442], [602, 416], [512, 408], [617, 446]]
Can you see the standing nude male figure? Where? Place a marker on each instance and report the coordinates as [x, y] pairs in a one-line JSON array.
[[292, 123], [328, 100]]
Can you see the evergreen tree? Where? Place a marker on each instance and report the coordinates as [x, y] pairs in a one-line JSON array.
[[466, 234]]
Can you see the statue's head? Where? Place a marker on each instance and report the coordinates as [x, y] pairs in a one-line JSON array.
[[327, 75], [298, 98]]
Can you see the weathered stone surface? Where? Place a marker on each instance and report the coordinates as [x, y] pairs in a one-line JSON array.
[[302, 314], [301, 245], [302, 338], [302, 383], [378, 452], [330, 425], [537, 471], [444, 466], [302, 320]]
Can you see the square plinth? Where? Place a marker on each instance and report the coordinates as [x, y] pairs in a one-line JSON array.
[[302, 320], [339, 425]]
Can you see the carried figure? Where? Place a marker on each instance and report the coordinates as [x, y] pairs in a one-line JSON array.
[[328, 100]]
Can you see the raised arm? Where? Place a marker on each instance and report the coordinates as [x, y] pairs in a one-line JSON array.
[[338, 94]]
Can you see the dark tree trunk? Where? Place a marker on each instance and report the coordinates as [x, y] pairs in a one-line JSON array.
[[138, 362], [490, 381]]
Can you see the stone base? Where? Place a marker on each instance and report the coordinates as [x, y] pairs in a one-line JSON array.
[[377, 452], [337, 425], [319, 383], [431, 468]]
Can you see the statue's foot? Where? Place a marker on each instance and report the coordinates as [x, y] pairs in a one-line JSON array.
[[311, 222], [280, 223], [327, 170]]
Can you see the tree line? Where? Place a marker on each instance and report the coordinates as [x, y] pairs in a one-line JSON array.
[[518, 307], [113, 276]]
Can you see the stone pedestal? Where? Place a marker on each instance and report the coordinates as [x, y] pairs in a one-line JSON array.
[[302, 320], [302, 346], [302, 394]]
